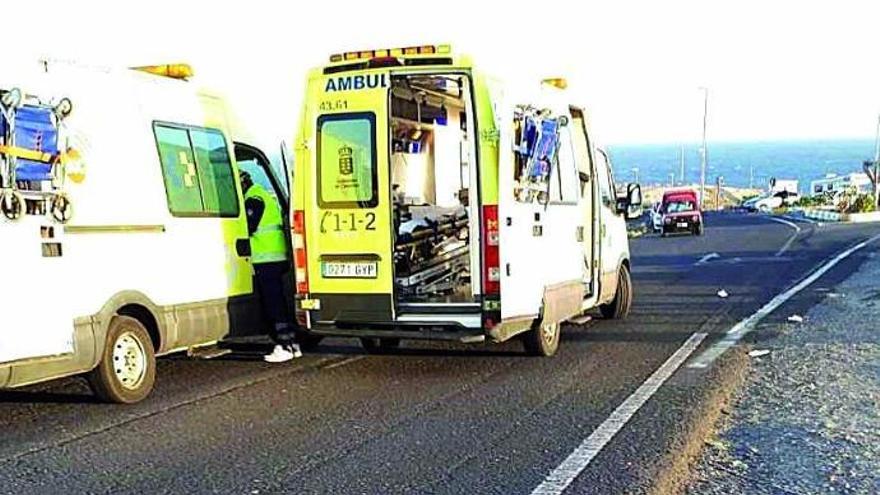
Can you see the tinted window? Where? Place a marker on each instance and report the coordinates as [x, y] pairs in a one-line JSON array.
[[606, 187], [179, 171], [215, 172], [347, 161], [197, 170], [566, 168]]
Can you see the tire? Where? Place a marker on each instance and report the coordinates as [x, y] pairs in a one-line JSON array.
[[127, 371], [375, 345], [699, 229], [620, 306], [542, 340], [307, 341]]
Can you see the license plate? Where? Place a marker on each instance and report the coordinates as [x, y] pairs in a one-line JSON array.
[[349, 269], [682, 224]]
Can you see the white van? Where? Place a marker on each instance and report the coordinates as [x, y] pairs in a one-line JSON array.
[[429, 204], [149, 252]]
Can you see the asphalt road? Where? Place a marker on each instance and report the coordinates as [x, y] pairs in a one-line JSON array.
[[431, 417]]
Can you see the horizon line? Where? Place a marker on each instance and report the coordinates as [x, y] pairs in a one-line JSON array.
[[698, 142]]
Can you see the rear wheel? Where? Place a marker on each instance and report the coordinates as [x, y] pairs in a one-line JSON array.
[[127, 370], [619, 307], [374, 344], [698, 229], [542, 339]]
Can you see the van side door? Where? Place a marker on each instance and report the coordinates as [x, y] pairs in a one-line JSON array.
[[612, 229]]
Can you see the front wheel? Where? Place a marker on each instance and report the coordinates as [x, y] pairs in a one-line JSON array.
[[542, 339], [620, 306], [127, 370]]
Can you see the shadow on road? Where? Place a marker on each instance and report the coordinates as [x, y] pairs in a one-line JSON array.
[[40, 397]]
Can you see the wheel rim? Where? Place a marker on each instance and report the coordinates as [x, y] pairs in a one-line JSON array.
[[549, 331], [129, 361]]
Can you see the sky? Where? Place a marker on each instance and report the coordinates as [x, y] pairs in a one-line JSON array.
[[773, 69]]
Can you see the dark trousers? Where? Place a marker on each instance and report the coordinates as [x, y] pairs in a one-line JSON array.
[[270, 286]]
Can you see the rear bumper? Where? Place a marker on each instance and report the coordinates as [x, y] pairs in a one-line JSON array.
[[449, 334], [676, 226], [371, 315]]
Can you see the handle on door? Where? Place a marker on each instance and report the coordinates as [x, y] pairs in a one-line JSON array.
[[243, 247]]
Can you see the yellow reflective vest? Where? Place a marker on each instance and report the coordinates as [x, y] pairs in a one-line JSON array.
[[268, 244]]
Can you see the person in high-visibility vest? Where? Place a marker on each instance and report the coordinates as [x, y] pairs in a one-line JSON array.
[[269, 255]]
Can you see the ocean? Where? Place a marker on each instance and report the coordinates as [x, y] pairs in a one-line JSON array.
[[801, 160]]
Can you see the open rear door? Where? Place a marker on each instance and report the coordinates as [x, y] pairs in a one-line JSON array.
[[347, 215], [519, 217]]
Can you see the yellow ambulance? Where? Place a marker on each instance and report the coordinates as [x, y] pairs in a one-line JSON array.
[[428, 203]]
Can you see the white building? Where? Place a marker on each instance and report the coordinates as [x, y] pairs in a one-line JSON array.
[[779, 185], [832, 183]]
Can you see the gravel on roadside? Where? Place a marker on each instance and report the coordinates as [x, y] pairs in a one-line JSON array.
[[807, 419]]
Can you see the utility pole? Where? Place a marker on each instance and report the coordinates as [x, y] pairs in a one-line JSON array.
[[681, 171], [751, 175], [718, 182], [877, 165], [704, 151], [872, 168], [635, 172], [671, 179]]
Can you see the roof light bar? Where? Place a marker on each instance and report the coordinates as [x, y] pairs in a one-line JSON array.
[[174, 71], [390, 52]]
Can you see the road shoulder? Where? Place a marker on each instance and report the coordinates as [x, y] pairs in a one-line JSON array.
[[806, 419]]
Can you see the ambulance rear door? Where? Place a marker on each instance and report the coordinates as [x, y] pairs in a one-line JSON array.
[[347, 216]]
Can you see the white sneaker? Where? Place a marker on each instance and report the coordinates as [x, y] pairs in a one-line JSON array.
[[282, 354]]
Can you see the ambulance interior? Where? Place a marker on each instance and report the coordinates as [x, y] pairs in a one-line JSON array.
[[432, 169]]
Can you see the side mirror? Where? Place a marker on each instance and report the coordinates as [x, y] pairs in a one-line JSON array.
[[631, 205]]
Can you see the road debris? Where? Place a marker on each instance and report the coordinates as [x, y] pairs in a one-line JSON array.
[[722, 294], [809, 408], [796, 319]]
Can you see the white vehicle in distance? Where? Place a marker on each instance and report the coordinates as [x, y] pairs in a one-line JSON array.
[[769, 202]]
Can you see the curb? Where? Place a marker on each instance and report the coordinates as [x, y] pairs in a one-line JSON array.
[[677, 469]]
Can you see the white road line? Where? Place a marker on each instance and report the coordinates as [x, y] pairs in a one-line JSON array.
[[707, 258], [342, 363], [747, 325], [573, 465], [801, 219], [577, 461], [797, 230]]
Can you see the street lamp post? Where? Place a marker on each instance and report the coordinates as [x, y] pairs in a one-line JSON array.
[[877, 164], [703, 151]]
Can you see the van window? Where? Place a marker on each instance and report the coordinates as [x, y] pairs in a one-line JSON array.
[[215, 172], [606, 186], [536, 147], [197, 171], [347, 170], [564, 180]]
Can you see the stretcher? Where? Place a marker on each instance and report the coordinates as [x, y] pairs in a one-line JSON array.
[[432, 257], [33, 151]]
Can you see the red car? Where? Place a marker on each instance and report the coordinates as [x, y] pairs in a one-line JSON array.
[[681, 212]]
